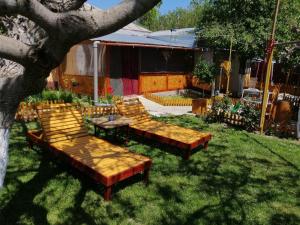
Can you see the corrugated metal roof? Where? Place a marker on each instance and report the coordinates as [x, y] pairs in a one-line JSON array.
[[183, 38], [175, 32], [136, 34], [135, 27]]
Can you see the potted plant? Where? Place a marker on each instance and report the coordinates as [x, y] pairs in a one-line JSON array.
[[206, 72]]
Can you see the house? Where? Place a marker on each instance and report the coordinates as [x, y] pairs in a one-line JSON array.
[[132, 60]]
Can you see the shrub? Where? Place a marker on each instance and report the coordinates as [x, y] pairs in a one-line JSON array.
[[51, 95], [205, 71], [219, 108], [248, 111], [251, 117], [66, 96]]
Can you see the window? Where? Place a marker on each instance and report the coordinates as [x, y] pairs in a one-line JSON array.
[[166, 60]]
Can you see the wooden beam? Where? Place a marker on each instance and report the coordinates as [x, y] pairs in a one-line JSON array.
[[270, 52]]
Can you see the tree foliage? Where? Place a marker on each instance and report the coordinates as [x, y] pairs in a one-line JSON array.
[[175, 19], [205, 71], [249, 23], [151, 19]]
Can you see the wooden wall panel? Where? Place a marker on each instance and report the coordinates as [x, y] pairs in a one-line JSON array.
[[81, 84], [166, 82], [163, 82], [152, 83], [147, 83], [177, 82]]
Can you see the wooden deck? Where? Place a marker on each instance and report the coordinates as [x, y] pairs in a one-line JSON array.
[[182, 138], [65, 136]]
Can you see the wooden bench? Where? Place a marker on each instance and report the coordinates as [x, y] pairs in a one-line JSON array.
[[65, 136], [182, 138]]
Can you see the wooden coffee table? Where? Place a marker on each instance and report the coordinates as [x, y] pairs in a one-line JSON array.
[[119, 123]]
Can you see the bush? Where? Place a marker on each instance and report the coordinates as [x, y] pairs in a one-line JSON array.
[[224, 106], [66, 96], [251, 117], [219, 108], [69, 97], [205, 71]]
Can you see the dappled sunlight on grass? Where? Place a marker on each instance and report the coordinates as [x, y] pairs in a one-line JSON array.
[[242, 178]]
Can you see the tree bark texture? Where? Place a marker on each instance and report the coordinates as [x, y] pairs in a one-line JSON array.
[[4, 137]]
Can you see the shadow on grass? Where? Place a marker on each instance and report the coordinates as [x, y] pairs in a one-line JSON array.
[[214, 187], [164, 148], [22, 206], [284, 218], [273, 152], [21, 202]]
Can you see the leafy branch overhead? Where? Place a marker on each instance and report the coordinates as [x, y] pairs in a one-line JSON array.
[[175, 19], [249, 23]]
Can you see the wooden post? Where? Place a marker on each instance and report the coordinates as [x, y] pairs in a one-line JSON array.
[[146, 176], [270, 52], [205, 145], [95, 47], [229, 71], [187, 154], [220, 79], [286, 82], [107, 193]]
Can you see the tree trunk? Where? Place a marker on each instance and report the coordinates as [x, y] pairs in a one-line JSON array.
[[4, 137], [7, 115], [298, 124], [12, 91], [213, 87], [286, 82]]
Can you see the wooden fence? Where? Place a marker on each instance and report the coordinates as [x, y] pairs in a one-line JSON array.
[[96, 111], [294, 100], [27, 111], [168, 101], [233, 119]]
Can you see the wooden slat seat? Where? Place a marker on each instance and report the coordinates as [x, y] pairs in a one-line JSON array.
[[181, 134], [104, 162], [61, 124], [107, 159], [183, 138]]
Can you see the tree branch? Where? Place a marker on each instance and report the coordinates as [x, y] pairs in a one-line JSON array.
[[63, 5], [14, 50], [94, 23], [32, 9]]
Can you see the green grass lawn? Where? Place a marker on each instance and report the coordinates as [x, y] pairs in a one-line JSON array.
[[242, 178]]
